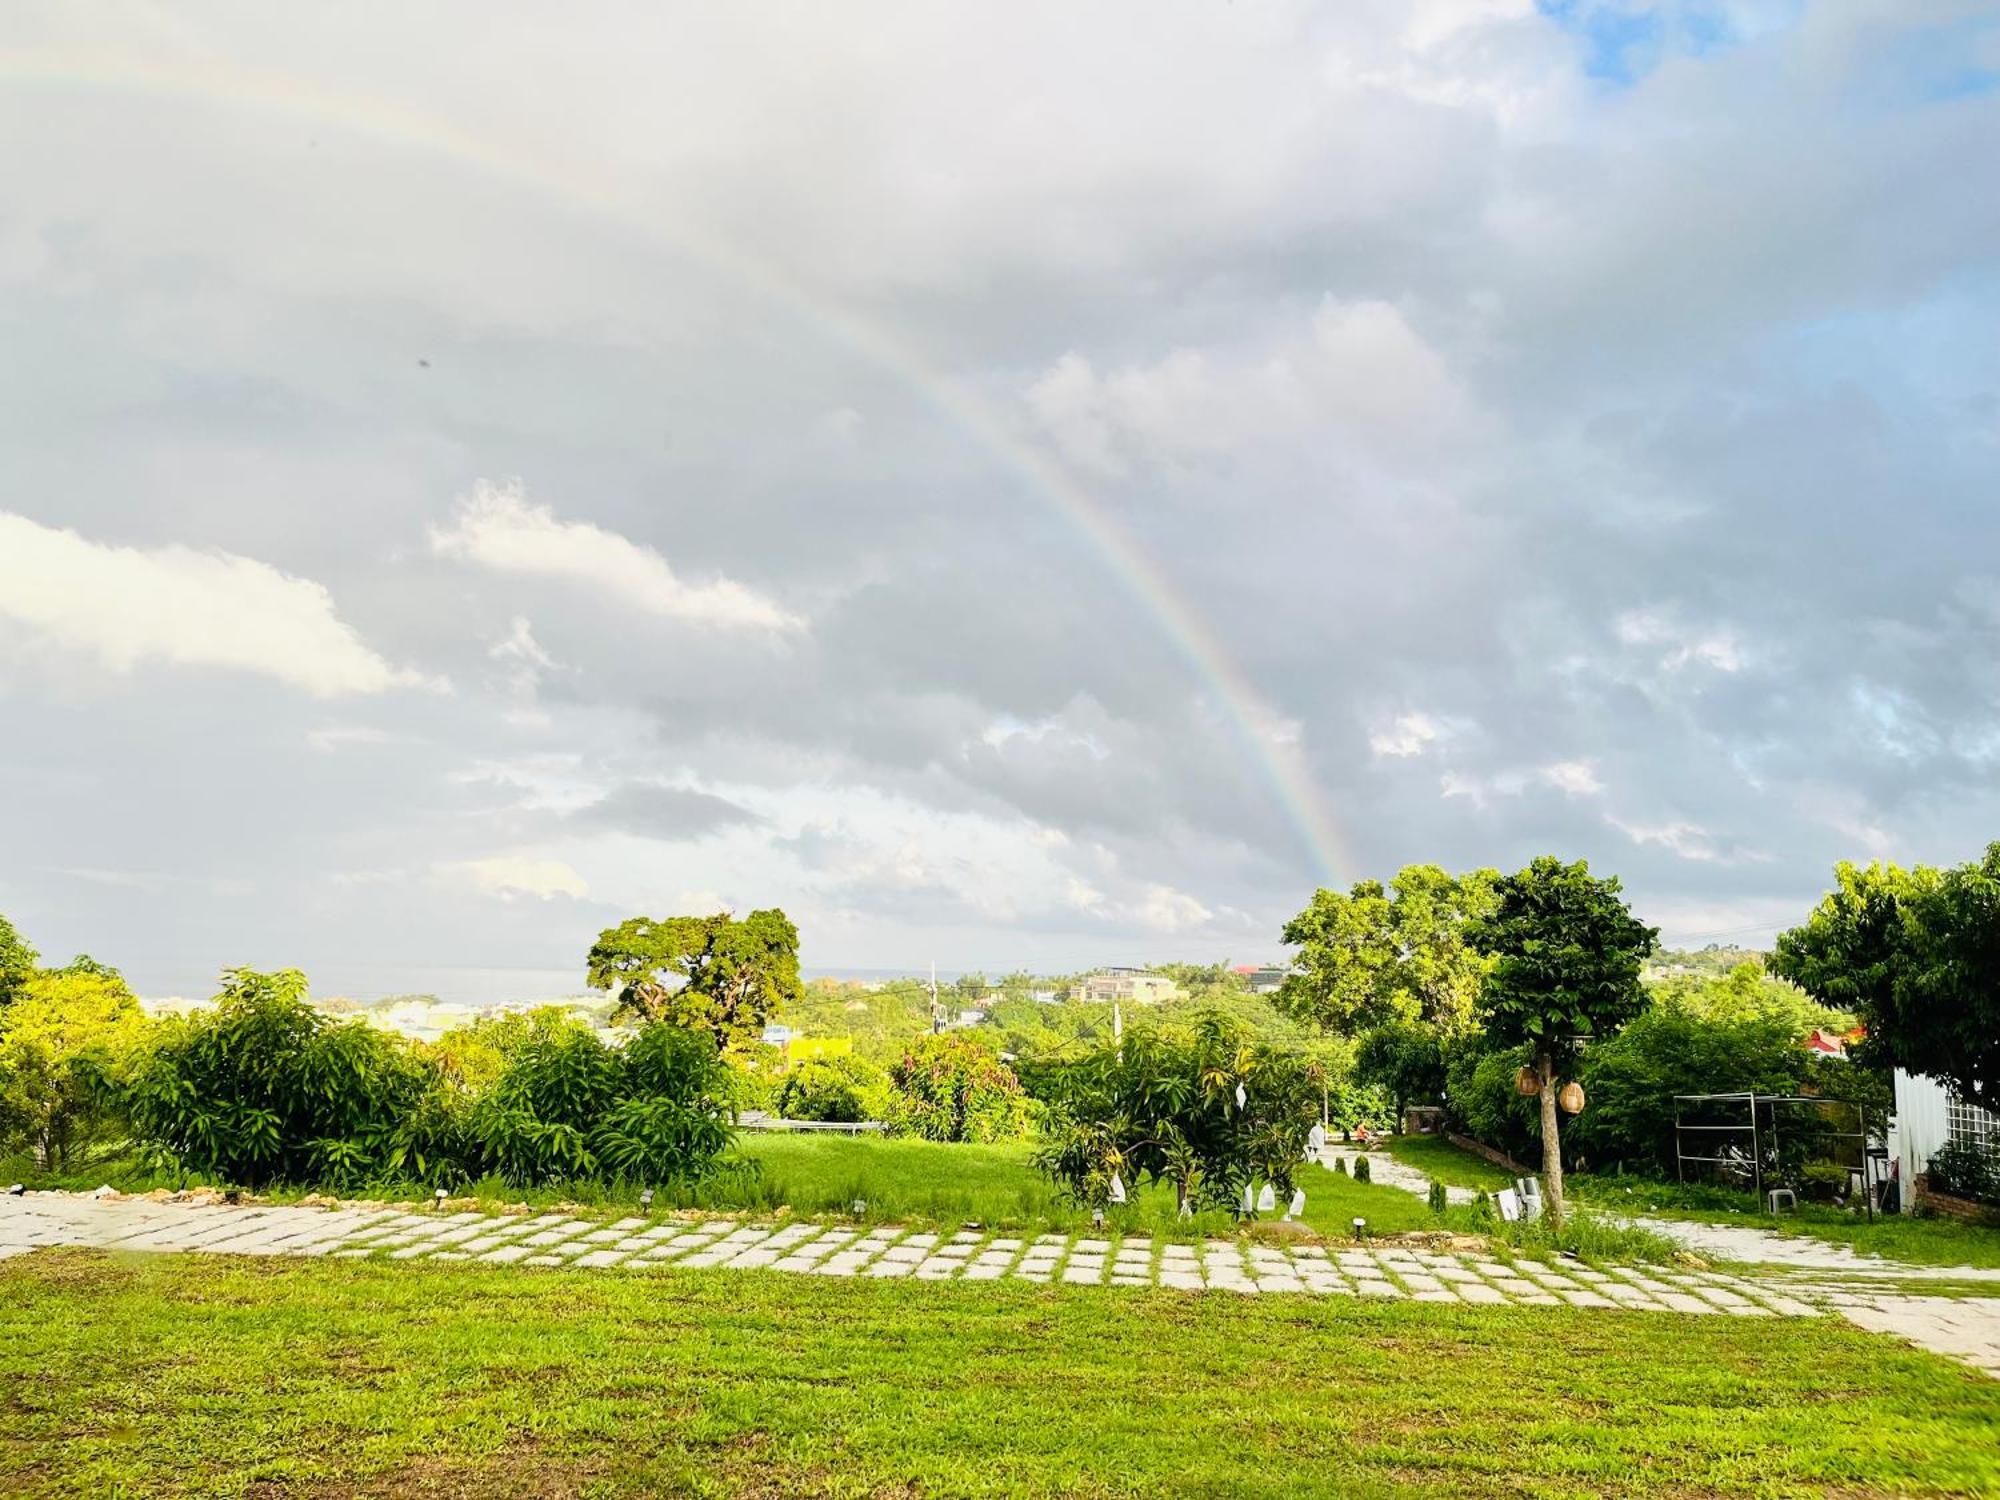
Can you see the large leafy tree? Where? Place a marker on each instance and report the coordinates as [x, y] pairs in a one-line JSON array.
[[1372, 955], [1916, 955], [714, 974], [1566, 954], [64, 1047], [18, 962]]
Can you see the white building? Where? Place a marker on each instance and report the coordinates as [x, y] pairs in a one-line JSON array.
[[1141, 986], [1927, 1117]]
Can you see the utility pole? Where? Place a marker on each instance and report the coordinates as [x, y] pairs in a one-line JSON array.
[[937, 1016]]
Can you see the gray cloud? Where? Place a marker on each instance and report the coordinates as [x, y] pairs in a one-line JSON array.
[[1645, 425]]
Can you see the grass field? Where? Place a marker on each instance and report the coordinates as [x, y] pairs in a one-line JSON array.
[[1439, 1158], [192, 1375], [923, 1183]]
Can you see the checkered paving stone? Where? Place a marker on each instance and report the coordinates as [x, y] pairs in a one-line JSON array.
[[1966, 1328]]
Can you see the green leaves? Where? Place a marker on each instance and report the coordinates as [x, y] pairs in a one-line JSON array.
[[1916, 954], [715, 973], [1374, 957], [1566, 954], [1164, 1108]]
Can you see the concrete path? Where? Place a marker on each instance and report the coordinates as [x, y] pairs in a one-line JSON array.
[[1967, 1329]]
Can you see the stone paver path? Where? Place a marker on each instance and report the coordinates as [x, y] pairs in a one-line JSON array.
[[1967, 1329]]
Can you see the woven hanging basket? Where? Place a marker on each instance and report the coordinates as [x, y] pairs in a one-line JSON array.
[[1528, 1082], [1571, 1098]]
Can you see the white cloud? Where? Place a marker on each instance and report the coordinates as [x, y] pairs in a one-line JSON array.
[[331, 737], [1357, 370], [1406, 735], [510, 875], [1164, 909], [1681, 645], [1577, 777], [1688, 841], [497, 527], [131, 606]]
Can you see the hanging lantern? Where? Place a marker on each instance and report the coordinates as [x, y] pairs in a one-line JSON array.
[[1528, 1082], [1116, 1192], [1571, 1098], [1267, 1200]]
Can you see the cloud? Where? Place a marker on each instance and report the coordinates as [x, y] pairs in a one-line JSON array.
[[1357, 372], [510, 875], [1681, 645], [497, 527], [1577, 777], [655, 811], [130, 607], [1405, 736]]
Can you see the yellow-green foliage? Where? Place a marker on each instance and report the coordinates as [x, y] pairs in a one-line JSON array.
[[64, 1041]]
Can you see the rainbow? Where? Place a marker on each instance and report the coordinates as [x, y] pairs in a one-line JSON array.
[[1255, 724]]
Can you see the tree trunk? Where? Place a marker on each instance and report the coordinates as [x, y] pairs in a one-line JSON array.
[[1552, 1161]]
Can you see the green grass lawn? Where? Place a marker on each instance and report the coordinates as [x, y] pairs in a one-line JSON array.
[[1438, 1158], [211, 1375]]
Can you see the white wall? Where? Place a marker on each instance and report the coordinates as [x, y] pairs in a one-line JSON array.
[[1921, 1124]]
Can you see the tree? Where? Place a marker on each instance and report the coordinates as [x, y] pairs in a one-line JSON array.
[[1915, 954], [1566, 954], [1403, 1058], [1207, 1109], [952, 1088], [712, 974], [64, 1046], [18, 962], [1373, 955]]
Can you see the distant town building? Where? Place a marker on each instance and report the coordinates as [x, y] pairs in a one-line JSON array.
[[1140, 986], [1044, 997], [1261, 979]]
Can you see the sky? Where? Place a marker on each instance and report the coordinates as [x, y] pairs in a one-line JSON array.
[[1024, 486]]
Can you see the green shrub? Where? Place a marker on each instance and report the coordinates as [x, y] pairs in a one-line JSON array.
[[1362, 1171], [66, 1044], [842, 1090], [953, 1088], [1671, 1048], [1964, 1170], [265, 1089], [1481, 1099], [567, 1106], [1340, 1165], [1439, 1200], [1164, 1107]]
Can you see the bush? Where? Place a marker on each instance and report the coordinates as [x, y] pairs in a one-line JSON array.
[[1439, 1200], [1482, 1101], [1165, 1108], [1362, 1171], [264, 1088], [569, 1107], [1964, 1170], [1674, 1048], [842, 1090], [66, 1045], [952, 1088]]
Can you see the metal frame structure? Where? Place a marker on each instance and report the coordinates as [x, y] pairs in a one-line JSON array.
[[1761, 1141]]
